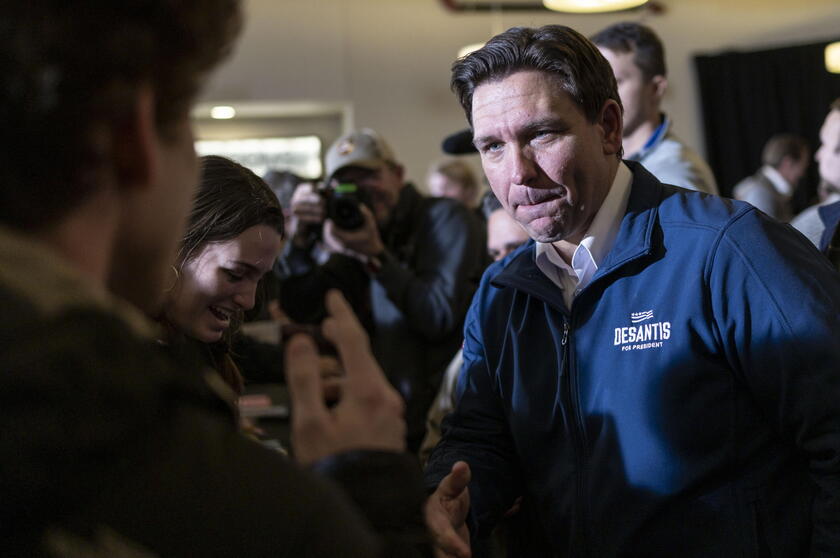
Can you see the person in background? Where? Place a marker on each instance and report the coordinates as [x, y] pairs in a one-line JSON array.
[[656, 372], [459, 144], [234, 235], [819, 221], [504, 235], [454, 179], [409, 269], [284, 183], [784, 161], [637, 57], [111, 445]]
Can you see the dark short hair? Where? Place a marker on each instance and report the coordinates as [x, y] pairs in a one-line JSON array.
[[580, 69], [783, 145], [629, 36], [71, 68], [229, 200]]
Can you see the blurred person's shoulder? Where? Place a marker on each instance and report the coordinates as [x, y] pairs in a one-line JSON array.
[[38, 285], [80, 368]]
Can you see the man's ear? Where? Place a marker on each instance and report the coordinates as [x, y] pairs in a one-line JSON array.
[[660, 85], [135, 141], [611, 124]]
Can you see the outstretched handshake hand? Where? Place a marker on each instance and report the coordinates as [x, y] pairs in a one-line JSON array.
[[446, 514]]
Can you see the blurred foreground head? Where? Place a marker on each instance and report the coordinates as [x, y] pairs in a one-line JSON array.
[[94, 105], [72, 69]]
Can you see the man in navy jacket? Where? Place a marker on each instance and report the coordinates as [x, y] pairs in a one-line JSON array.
[[658, 372]]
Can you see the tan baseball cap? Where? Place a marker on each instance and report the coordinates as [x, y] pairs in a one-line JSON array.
[[360, 148]]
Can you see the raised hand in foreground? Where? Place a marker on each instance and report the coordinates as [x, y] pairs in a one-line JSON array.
[[369, 415]]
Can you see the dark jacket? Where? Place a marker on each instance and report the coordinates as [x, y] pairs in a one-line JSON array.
[[108, 443], [415, 305], [687, 405]]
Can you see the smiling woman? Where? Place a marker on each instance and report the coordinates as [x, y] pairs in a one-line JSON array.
[[233, 237]]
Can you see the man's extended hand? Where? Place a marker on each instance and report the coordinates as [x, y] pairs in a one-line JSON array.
[[446, 513], [361, 243], [369, 414]]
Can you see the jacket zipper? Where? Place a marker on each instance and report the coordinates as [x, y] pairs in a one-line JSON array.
[[570, 389]]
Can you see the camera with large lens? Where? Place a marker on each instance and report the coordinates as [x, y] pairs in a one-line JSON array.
[[344, 203]]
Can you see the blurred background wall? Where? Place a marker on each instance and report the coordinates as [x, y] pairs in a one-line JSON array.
[[328, 65]]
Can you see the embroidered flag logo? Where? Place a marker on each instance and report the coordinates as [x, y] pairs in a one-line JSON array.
[[638, 317]]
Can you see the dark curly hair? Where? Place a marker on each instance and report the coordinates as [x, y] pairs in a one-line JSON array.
[[70, 67]]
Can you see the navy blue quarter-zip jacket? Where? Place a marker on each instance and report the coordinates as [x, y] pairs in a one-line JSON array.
[[687, 405]]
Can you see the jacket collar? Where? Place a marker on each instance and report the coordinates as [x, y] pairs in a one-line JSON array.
[[662, 131], [634, 241]]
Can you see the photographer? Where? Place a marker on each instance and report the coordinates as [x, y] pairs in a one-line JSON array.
[[409, 268]]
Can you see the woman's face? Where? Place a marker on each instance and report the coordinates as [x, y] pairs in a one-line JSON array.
[[220, 281]]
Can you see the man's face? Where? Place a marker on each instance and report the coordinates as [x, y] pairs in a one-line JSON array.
[[638, 95], [828, 155], [549, 167], [383, 185], [504, 235]]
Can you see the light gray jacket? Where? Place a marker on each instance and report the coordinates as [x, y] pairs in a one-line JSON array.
[[670, 160]]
